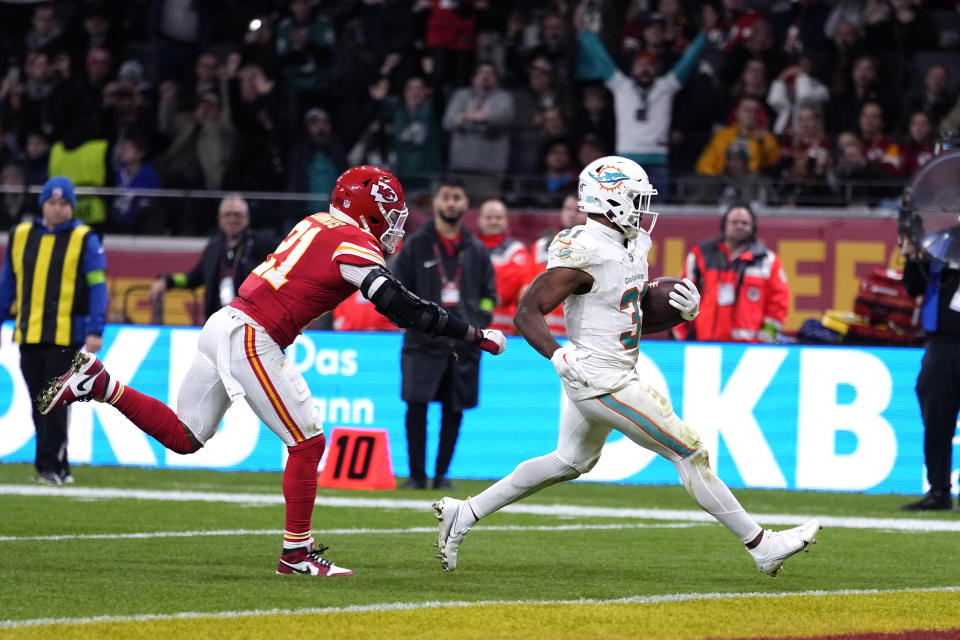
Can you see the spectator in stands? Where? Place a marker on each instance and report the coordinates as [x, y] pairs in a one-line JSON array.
[[559, 173], [37, 106], [792, 88], [934, 98], [752, 83], [836, 64], [643, 102], [128, 113], [849, 12], [416, 135], [844, 108], [36, 157], [806, 161], [202, 139], [130, 214], [679, 29], [799, 27], [736, 183], [950, 124], [852, 165], [590, 148], [554, 40], [478, 120], [511, 262], [901, 27], [445, 263], [207, 72], [45, 31], [81, 95], [529, 101], [877, 147], [761, 145], [918, 148], [15, 207], [754, 42], [262, 118], [451, 39], [82, 157], [229, 256], [305, 50], [317, 160], [97, 32], [180, 30], [594, 117], [654, 43], [570, 216], [744, 293]]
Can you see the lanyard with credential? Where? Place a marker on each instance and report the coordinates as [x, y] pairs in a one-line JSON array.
[[444, 280], [449, 289]]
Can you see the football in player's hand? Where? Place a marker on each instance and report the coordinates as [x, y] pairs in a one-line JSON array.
[[658, 313]]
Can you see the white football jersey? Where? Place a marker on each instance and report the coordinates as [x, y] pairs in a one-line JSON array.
[[603, 324]]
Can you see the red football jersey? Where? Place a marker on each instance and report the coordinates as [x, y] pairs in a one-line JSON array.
[[301, 279]]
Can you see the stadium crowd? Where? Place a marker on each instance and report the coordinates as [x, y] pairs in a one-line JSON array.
[[785, 103]]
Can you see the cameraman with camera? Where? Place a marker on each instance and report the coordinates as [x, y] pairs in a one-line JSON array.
[[938, 385]]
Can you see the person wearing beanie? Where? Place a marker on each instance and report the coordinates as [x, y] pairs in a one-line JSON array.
[[55, 271]]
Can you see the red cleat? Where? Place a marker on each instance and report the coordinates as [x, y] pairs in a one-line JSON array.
[[308, 562], [86, 379]]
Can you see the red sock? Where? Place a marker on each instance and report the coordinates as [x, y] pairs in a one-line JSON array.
[[300, 488], [153, 418]]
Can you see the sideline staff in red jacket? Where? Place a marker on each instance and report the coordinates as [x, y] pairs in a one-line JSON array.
[[744, 293]]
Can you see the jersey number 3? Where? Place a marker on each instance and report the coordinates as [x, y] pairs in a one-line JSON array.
[[631, 299], [278, 264]]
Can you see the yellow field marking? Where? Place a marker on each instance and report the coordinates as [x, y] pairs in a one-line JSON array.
[[693, 617]]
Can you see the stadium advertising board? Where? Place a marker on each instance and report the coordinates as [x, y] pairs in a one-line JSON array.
[[795, 417], [824, 259]]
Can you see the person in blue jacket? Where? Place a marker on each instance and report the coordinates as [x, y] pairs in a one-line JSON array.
[[55, 270]]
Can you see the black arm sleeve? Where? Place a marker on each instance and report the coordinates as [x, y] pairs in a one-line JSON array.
[[407, 310]]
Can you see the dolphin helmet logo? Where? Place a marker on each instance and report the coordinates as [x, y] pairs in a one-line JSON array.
[[608, 177]]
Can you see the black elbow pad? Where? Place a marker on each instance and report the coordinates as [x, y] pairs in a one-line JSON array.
[[402, 307]]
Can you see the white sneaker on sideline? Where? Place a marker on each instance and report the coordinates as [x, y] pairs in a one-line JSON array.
[[452, 529], [777, 546]]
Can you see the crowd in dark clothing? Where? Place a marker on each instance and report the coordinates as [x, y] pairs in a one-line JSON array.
[[788, 103]]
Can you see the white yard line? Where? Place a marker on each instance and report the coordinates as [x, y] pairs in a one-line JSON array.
[[330, 532], [407, 606], [263, 499]]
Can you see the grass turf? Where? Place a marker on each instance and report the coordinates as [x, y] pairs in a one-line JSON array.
[[84, 578]]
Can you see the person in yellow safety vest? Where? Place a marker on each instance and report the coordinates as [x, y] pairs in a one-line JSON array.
[[55, 271]]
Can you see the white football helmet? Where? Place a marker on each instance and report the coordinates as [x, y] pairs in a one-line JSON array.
[[618, 189]]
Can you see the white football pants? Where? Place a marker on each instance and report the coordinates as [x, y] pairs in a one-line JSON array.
[[646, 417], [237, 358]]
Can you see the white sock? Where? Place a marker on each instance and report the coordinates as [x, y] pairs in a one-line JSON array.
[[528, 478], [714, 497]]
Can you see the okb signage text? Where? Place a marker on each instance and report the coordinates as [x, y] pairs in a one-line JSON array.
[[772, 416]]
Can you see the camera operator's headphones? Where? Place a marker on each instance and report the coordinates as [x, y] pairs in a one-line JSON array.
[[753, 220]]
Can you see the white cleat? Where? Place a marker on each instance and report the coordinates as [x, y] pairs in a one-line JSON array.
[[777, 546], [451, 531]]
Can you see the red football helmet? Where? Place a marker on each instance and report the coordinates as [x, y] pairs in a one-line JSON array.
[[374, 198]]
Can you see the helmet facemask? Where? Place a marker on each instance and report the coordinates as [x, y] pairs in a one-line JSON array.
[[395, 218]]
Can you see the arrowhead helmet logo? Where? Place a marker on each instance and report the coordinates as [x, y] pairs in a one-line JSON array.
[[383, 192]]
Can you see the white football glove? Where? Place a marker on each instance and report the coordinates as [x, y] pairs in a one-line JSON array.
[[492, 341], [568, 364], [686, 299]]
